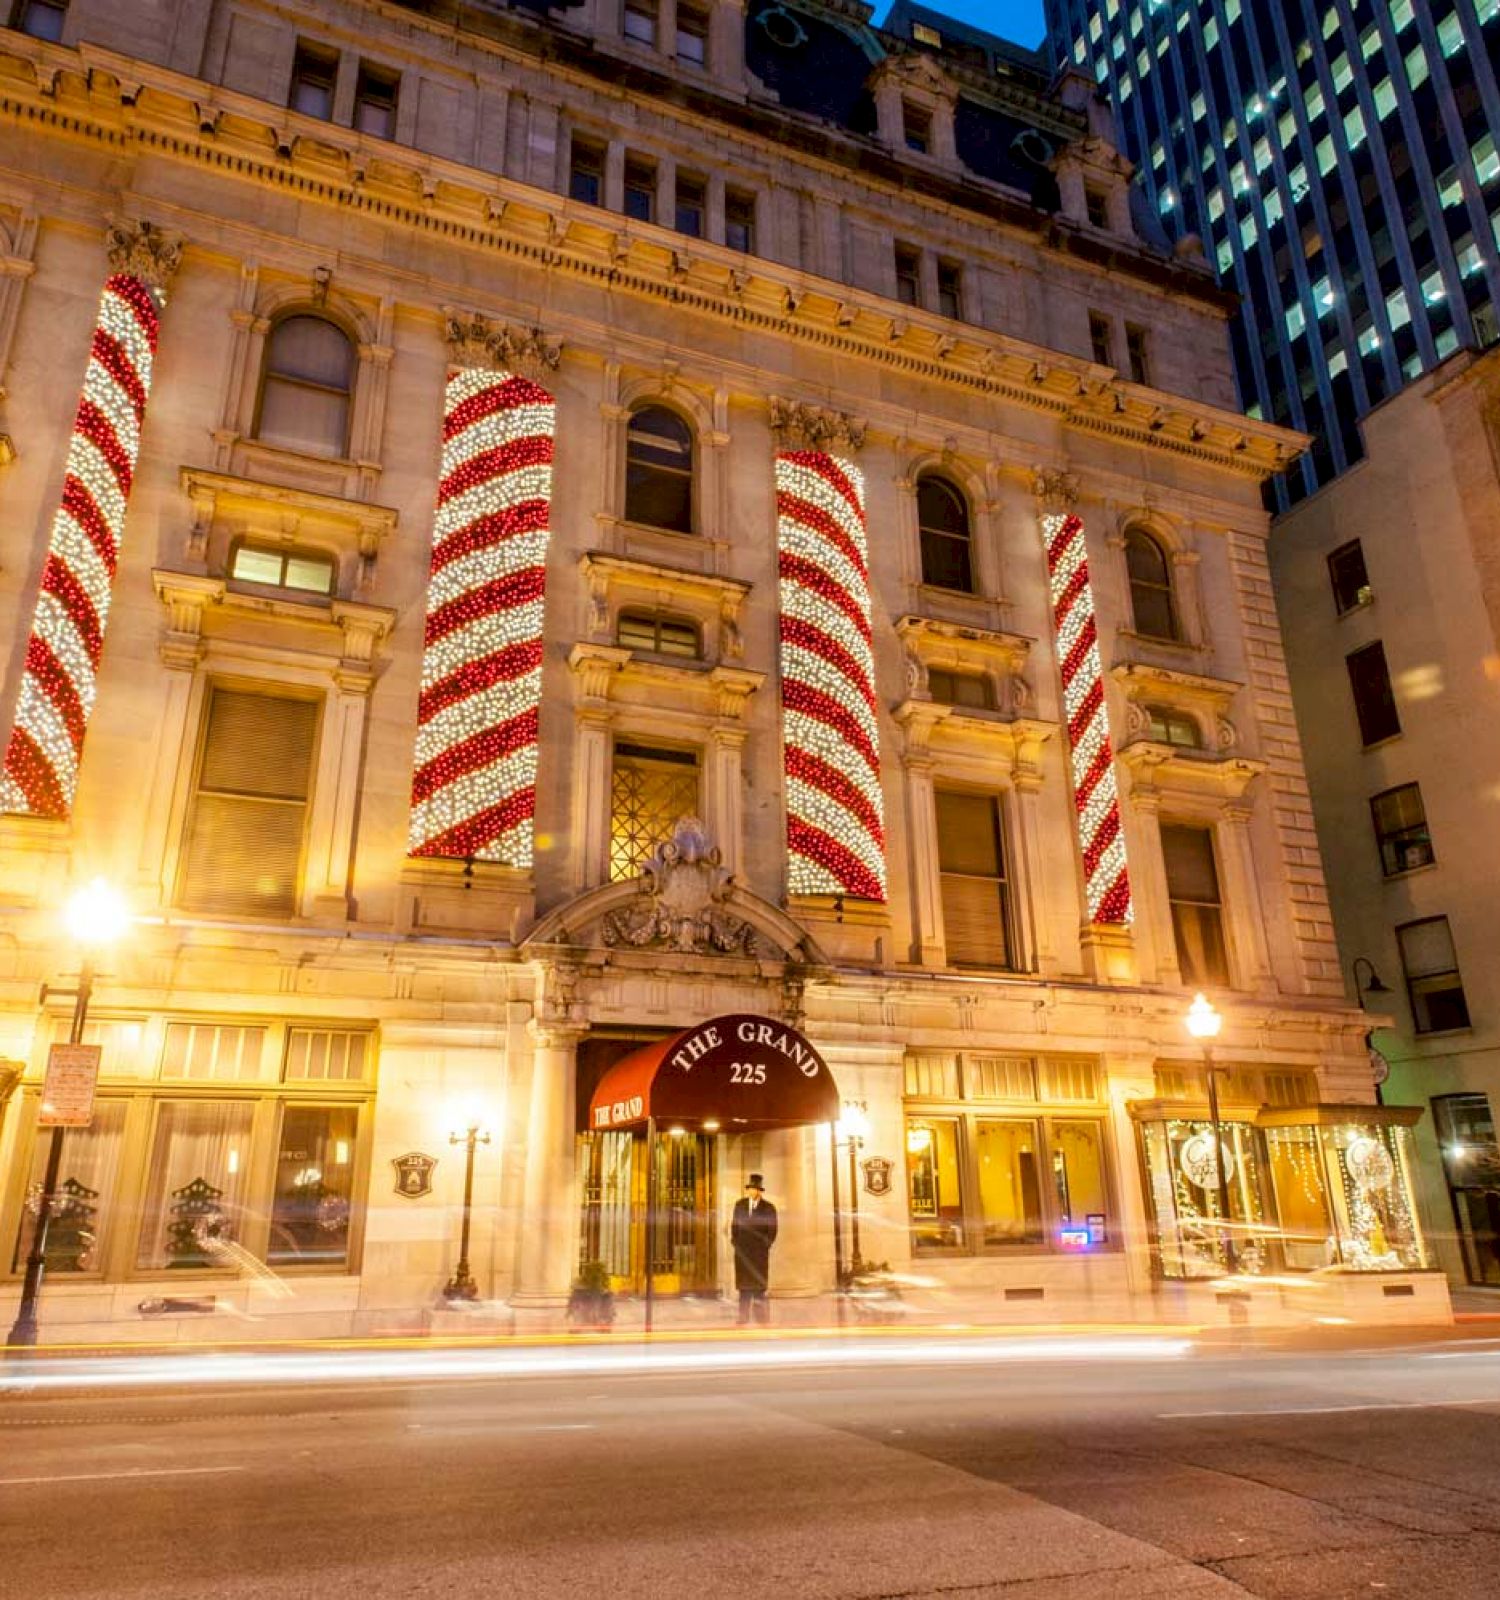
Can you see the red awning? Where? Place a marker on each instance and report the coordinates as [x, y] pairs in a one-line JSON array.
[[736, 1073]]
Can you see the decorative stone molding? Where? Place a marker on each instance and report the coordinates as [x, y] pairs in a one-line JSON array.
[[143, 250], [1055, 488], [614, 582], [680, 904], [1206, 700], [798, 426], [235, 507], [186, 596], [596, 666], [475, 341], [364, 628], [931, 642]]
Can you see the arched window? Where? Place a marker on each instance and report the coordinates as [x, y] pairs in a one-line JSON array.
[[659, 470], [661, 634], [1151, 600], [306, 386], [943, 522]]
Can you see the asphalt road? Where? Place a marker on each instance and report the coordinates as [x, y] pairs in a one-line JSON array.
[[902, 1468]]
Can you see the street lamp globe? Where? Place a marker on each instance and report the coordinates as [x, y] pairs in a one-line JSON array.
[[1202, 1021], [854, 1123], [96, 914]]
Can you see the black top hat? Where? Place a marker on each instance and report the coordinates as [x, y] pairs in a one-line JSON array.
[[755, 1181]]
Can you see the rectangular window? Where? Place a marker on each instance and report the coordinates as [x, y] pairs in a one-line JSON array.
[[1096, 202], [314, 70], [1346, 572], [916, 127], [972, 689], [283, 569], [243, 850], [932, 1077], [739, 220], [649, 790], [83, 1204], [194, 1212], [1374, 700], [1000, 1077], [934, 1195], [640, 21], [325, 1055], [908, 275], [42, 19], [692, 35], [1010, 1200], [640, 189], [692, 203], [1197, 911], [950, 287], [1101, 339], [1433, 984], [1401, 829], [1135, 351], [971, 862], [207, 1052], [375, 101], [586, 172], [313, 1200]]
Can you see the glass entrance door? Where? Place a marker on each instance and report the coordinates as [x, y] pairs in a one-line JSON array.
[[685, 1253], [1471, 1164]]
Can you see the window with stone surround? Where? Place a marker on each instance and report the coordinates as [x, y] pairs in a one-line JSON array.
[[253, 779], [586, 171], [692, 34], [375, 93], [1374, 699], [659, 633], [659, 469], [651, 787], [640, 188], [1153, 601], [908, 274], [314, 72], [641, 21], [1434, 987], [1197, 905], [307, 386], [946, 536], [42, 19], [739, 220], [976, 894]]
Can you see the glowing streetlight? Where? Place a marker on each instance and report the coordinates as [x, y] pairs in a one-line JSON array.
[[1204, 1023], [461, 1286], [96, 916]]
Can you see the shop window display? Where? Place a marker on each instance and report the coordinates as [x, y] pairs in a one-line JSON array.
[[1183, 1191]]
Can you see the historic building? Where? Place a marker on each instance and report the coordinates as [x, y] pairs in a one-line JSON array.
[[1389, 587], [580, 523]]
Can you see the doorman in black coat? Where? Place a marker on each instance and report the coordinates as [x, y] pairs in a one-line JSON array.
[[752, 1231]]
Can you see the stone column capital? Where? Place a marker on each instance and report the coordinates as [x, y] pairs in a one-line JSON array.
[[798, 426], [143, 250]]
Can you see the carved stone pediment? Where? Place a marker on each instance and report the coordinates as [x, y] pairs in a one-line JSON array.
[[680, 902], [914, 72]]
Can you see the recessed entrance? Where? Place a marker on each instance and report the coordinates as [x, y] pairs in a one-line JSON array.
[[613, 1168]]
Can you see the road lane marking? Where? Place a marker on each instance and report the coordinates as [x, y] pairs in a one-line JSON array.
[[1323, 1411], [133, 1472]]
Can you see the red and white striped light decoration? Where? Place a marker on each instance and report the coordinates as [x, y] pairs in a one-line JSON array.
[[59, 685], [835, 825], [1094, 792], [474, 787]]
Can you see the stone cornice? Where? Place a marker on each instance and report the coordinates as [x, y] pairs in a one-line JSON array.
[[460, 205]]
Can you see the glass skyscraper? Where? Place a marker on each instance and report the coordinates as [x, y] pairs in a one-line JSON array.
[[1340, 160]]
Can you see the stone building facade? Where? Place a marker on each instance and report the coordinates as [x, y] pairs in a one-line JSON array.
[[541, 428]]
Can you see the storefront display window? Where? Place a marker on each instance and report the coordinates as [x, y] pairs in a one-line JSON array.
[[1311, 1188], [194, 1211], [314, 1186], [1009, 1192], [1183, 1187]]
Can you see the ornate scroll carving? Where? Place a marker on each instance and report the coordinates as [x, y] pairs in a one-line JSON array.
[[680, 905], [475, 341], [802, 427], [143, 250]]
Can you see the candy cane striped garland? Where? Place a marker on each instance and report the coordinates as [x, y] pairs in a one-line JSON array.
[[474, 787], [835, 828], [1094, 791], [67, 628]]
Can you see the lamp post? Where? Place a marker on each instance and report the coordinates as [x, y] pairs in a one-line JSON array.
[[1204, 1023], [854, 1124], [461, 1286], [96, 916], [1361, 989]]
